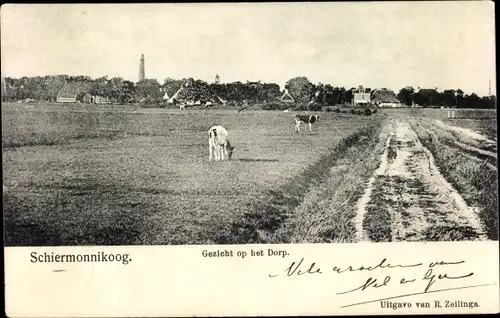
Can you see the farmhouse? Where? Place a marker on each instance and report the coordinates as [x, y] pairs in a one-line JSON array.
[[222, 101], [69, 93], [165, 96], [73, 92], [361, 97], [191, 95], [384, 98], [175, 97], [286, 97]]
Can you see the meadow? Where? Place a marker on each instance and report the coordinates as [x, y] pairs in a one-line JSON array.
[[88, 176], [119, 175]]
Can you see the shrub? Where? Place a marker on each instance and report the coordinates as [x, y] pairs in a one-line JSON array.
[[275, 106], [314, 107]]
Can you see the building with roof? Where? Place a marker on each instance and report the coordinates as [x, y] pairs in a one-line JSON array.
[[70, 91], [361, 97], [385, 98], [73, 92], [175, 97], [286, 97]]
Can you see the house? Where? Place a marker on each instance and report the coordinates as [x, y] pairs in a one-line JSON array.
[[287, 98], [166, 97], [385, 98], [73, 92], [192, 95], [222, 101], [87, 98], [69, 92], [101, 100], [361, 97], [175, 98]]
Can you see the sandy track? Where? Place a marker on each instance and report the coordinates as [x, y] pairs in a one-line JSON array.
[[467, 134], [471, 152], [407, 198]]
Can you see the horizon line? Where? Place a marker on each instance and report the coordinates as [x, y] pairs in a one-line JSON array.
[[161, 82]]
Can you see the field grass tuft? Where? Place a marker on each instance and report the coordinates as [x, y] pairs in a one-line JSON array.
[[476, 181]]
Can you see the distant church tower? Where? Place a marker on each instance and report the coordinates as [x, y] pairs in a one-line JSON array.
[[142, 72]]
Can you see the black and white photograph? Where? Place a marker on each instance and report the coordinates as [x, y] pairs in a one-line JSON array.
[[179, 124], [249, 159]]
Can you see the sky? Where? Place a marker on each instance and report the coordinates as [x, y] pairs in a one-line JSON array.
[[377, 44]]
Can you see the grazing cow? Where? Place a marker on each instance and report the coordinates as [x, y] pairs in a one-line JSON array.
[[309, 119], [219, 146]]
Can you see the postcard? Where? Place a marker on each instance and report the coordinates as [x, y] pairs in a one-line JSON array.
[[249, 159]]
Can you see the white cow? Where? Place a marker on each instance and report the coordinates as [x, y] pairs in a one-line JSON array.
[[219, 146], [305, 119]]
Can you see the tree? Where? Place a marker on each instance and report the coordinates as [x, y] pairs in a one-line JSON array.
[[348, 95], [460, 97], [149, 89], [472, 101], [197, 90], [269, 92], [300, 88], [405, 95], [427, 97], [171, 85], [127, 92], [490, 102], [52, 86]]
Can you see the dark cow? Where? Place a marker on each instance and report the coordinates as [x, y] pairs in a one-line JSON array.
[[308, 119]]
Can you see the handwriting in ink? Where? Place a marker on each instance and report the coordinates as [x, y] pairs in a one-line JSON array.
[[432, 278], [371, 282], [404, 281], [432, 264], [296, 269], [382, 264]]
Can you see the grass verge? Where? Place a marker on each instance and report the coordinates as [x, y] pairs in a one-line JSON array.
[[319, 204], [476, 181]]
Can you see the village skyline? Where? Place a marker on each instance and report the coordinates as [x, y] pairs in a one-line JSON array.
[[378, 45]]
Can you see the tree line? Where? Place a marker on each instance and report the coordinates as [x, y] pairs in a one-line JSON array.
[[453, 98], [46, 88]]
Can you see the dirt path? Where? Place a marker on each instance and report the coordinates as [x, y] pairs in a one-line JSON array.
[[407, 198], [468, 134]]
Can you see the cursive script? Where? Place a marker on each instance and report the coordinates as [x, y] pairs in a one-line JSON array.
[[427, 278], [299, 268], [296, 269]]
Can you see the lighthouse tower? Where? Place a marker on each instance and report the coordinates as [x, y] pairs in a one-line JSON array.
[[142, 72]]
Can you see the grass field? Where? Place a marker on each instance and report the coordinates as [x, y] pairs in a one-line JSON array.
[[86, 175], [134, 178]]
